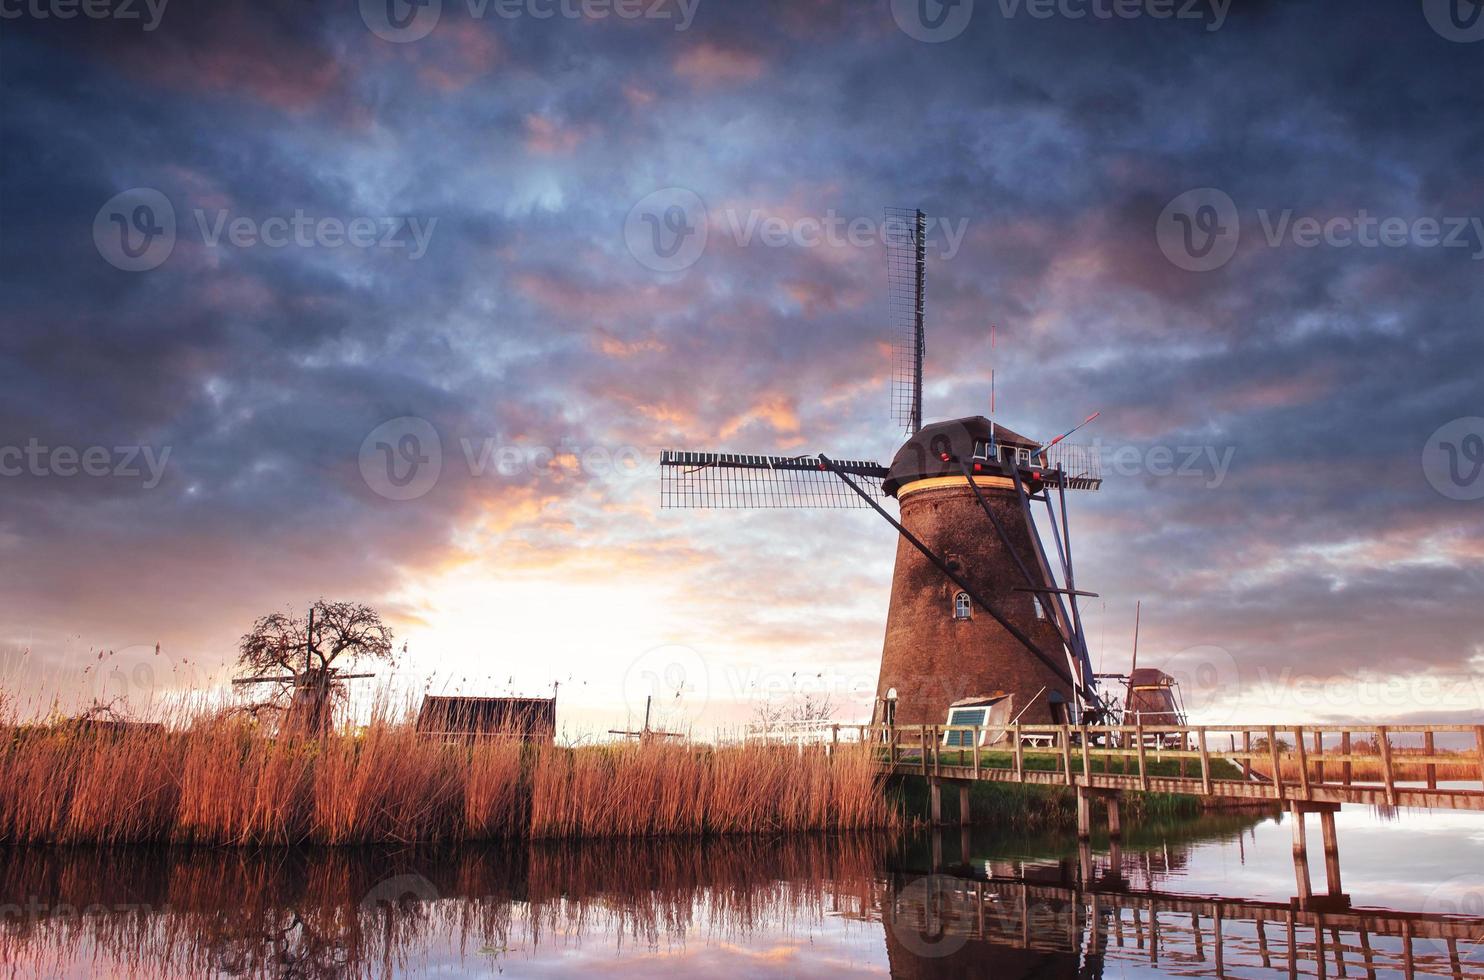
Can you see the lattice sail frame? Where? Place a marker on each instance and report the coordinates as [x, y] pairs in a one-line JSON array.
[[905, 232], [712, 481]]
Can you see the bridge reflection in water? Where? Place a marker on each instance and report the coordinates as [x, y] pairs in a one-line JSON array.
[[1051, 921], [755, 906]]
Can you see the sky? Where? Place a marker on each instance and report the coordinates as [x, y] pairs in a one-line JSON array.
[[397, 304]]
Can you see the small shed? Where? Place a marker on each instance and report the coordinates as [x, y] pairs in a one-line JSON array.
[[467, 719], [988, 709]]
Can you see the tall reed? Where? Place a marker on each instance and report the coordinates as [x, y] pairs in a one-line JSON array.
[[221, 781]]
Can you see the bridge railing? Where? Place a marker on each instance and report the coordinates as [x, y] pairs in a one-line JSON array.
[[1395, 763]]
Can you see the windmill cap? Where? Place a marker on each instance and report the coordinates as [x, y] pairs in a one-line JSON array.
[[921, 457]]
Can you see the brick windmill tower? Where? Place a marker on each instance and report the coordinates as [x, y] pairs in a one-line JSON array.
[[983, 598]]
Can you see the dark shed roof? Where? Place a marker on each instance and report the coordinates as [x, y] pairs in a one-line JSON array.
[[461, 717]]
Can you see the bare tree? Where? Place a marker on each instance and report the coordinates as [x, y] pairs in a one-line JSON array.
[[307, 656]]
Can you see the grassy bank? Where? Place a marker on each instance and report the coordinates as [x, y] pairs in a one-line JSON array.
[[1023, 808], [222, 782]]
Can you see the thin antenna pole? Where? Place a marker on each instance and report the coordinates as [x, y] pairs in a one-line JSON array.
[[921, 235], [647, 698], [1138, 608], [991, 371]]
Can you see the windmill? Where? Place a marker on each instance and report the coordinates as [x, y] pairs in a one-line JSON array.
[[310, 688], [978, 605]]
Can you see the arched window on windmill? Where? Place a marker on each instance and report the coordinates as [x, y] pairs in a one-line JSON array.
[[962, 607]]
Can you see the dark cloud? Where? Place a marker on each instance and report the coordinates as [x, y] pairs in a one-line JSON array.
[[1323, 370]]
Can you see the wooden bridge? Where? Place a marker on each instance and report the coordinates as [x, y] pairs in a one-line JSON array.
[[1304, 769]]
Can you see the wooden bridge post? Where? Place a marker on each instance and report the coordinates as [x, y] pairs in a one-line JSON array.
[[1331, 850], [1084, 813], [922, 742], [1143, 768], [1247, 755], [963, 808], [935, 801], [1300, 853], [1200, 735], [1086, 759], [1066, 752], [1115, 825], [1020, 752], [976, 752], [1479, 747], [1346, 769], [1383, 744], [1319, 757], [1277, 763], [1428, 746], [1303, 762]]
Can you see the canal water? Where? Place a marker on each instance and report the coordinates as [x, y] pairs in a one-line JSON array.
[[1209, 897]]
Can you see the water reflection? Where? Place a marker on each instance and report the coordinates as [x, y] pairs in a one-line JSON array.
[[789, 907]]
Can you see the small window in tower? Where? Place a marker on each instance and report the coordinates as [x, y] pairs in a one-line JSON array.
[[1040, 609], [961, 606], [1023, 457], [981, 449]]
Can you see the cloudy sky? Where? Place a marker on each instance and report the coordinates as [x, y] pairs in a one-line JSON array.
[[255, 254]]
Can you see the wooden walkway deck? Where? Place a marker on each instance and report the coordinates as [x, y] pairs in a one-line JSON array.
[[1318, 766]]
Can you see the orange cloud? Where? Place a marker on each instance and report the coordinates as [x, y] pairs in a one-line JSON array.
[[547, 137], [710, 64]]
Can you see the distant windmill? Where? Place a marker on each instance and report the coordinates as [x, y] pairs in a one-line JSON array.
[[976, 605], [276, 643]]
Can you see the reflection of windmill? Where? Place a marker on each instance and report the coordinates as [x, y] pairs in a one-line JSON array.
[[976, 603], [310, 690]]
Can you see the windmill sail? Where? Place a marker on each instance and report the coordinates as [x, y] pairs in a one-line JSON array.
[[906, 276], [728, 480]]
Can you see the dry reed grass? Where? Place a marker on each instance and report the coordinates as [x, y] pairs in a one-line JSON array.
[[221, 781]]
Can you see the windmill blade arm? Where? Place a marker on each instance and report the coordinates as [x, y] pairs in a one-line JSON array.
[[732, 480]]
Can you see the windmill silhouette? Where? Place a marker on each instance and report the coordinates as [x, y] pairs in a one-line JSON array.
[[978, 605]]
